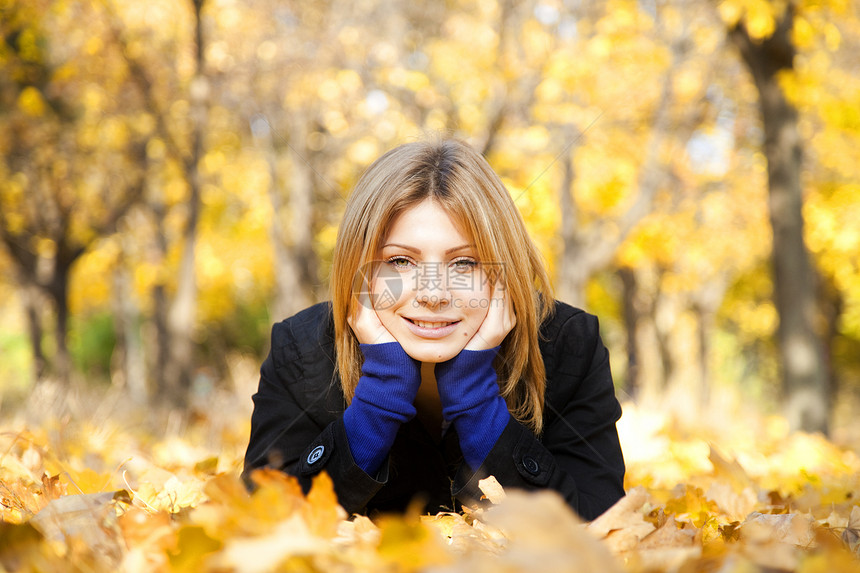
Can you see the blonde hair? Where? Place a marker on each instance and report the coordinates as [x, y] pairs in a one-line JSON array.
[[462, 182]]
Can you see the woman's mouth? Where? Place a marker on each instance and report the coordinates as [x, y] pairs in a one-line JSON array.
[[431, 328], [425, 324]]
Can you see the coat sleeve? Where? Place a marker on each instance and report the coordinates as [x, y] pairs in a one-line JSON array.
[[297, 423], [578, 453]]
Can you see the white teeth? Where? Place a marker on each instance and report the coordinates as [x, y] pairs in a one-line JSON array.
[[431, 324]]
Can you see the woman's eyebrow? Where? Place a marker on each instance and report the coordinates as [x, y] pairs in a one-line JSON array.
[[460, 248], [418, 251], [406, 247]]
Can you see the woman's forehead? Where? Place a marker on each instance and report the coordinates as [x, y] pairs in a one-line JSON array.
[[429, 215]]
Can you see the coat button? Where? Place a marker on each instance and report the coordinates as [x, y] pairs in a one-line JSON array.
[[315, 454], [531, 465]]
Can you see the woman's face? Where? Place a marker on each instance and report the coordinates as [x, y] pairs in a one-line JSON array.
[[429, 290]]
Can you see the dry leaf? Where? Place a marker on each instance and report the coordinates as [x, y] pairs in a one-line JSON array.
[[87, 519], [149, 536], [263, 553], [463, 536], [773, 541], [619, 515], [189, 518], [322, 512], [792, 528], [729, 471], [851, 535], [735, 504], [358, 531], [544, 534], [408, 542], [492, 489], [622, 526], [668, 535]]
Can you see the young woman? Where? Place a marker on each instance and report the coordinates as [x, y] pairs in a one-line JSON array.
[[442, 357]]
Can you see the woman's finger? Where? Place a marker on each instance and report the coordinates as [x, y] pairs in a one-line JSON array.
[[500, 320], [365, 323]]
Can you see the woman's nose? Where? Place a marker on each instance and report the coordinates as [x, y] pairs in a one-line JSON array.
[[432, 288]]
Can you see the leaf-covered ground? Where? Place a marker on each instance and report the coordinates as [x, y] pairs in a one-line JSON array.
[[86, 485]]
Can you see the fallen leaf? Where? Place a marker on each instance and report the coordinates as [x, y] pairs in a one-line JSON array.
[[263, 553], [463, 536], [621, 514], [690, 503], [792, 528], [193, 546], [544, 534], [322, 512], [88, 519], [492, 489], [668, 535], [408, 543], [851, 535], [358, 531], [729, 471], [149, 537], [622, 526], [734, 504]]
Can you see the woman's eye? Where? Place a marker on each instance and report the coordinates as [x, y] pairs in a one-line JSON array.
[[464, 265], [400, 263]]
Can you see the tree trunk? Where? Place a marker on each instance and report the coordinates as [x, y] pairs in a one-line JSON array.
[[32, 304], [586, 251], [301, 227], [161, 335], [128, 360], [183, 310], [631, 315], [706, 302], [58, 290], [832, 303], [182, 313], [804, 373], [574, 275], [704, 326], [291, 231]]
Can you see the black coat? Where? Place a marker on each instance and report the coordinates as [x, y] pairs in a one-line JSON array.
[[297, 426]]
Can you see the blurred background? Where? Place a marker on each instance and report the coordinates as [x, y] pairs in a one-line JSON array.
[[172, 173]]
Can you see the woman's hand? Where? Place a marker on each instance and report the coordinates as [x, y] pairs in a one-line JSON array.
[[365, 323], [500, 320]]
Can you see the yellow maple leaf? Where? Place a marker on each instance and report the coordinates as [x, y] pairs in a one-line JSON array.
[[322, 512]]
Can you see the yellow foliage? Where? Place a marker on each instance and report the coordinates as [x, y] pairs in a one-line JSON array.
[[30, 102], [364, 151], [603, 81], [803, 34], [759, 16], [177, 512], [688, 84]]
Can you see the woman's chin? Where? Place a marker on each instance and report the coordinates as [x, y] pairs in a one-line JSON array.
[[432, 352]]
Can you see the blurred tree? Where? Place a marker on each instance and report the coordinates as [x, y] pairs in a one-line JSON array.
[[704, 229], [183, 137], [296, 69], [666, 56], [767, 47], [825, 87], [70, 153], [590, 247], [625, 134]]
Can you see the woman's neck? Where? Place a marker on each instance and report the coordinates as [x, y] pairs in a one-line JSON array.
[[427, 401]]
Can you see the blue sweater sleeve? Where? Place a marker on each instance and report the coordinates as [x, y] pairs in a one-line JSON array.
[[469, 392], [383, 401]]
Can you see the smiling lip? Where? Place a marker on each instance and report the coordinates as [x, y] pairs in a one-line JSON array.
[[431, 328]]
